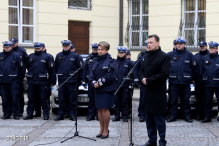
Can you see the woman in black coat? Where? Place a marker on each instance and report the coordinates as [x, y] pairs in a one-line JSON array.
[[102, 78]]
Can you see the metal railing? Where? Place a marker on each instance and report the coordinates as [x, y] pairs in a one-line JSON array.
[[79, 4]]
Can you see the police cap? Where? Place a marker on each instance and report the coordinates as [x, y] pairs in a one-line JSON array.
[[128, 52], [121, 49], [37, 45], [14, 40], [213, 44], [7, 44], [202, 43], [66, 42], [94, 46], [181, 40]]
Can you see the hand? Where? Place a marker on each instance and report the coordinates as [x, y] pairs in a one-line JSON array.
[[96, 85], [193, 82], [144, 81]]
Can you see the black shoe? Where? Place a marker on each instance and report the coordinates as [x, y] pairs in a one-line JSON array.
[[46, 117], [58, 118], [150, 143], [6, 117], [116, 119], [20, 114], [125, 119], [98, 135], [66, 115], [141, 119], [73, 118], [103, 137], [199, 117], [218, 118], [89, 118], [171, 119], [16, 117], [167, 117], [188, 119], [28, 117], [97, 118], [37, 114], [206, 120]]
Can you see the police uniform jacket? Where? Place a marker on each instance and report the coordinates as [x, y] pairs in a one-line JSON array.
[[211, 70], [181, 70], [10, 67], [198, 60], [124, 67], [138, 68], [103, 71], [155, 69], [24, 57], [66, 63], [87, 67], [40, 68]]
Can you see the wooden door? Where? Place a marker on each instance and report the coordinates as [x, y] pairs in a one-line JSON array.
[[78, 33]]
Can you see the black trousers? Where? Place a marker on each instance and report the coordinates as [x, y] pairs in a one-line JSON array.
[[156, 122]]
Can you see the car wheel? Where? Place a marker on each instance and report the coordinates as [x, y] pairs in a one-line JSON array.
[[214, 113], [54, 110]]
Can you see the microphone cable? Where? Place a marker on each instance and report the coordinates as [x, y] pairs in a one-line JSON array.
[[58, 139]]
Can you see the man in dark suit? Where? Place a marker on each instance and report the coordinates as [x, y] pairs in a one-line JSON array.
[[154, 72]]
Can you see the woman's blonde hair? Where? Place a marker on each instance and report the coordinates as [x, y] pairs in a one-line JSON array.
[[104, 44]]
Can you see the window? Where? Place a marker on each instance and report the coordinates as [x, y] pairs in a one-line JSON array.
[[193, 21], [21, 20], [79, 4], [137, 29]]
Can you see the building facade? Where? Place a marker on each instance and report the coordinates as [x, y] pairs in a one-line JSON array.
[[89, 21]]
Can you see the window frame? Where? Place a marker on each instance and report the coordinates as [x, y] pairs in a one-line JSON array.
[[195, 28], [82, 8], [20, 24], [140, 31]]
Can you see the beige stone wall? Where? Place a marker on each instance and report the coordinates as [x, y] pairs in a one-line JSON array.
[[51, 24], [3, 22], [212, 21], [164, 20]]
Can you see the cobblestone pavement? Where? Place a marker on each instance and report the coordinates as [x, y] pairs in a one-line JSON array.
[[40, 132]]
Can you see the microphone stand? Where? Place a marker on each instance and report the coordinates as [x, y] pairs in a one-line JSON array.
[[76, 92], [128, 77]]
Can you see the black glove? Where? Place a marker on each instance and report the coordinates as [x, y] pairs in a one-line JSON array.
[[136, 84]]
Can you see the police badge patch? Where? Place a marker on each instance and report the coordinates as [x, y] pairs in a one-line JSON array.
[[2, 58], [194, 63]]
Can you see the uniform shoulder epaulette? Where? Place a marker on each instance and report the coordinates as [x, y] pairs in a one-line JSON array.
[[22, 49]]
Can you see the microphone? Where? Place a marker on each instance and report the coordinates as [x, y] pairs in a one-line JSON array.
[[140, 54], [90, 57]]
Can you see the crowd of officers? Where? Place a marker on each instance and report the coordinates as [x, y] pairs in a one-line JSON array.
[[201, 69]]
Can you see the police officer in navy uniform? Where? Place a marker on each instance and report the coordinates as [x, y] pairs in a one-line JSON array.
[[180, 78], [211, 79], [23, 55], [66, 63], [92, 111], [198, 59], [131, 88], [122, 96], [102, 77], [10, 67], [39, 75], [138, 67], [38, 105], [169, 87]]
